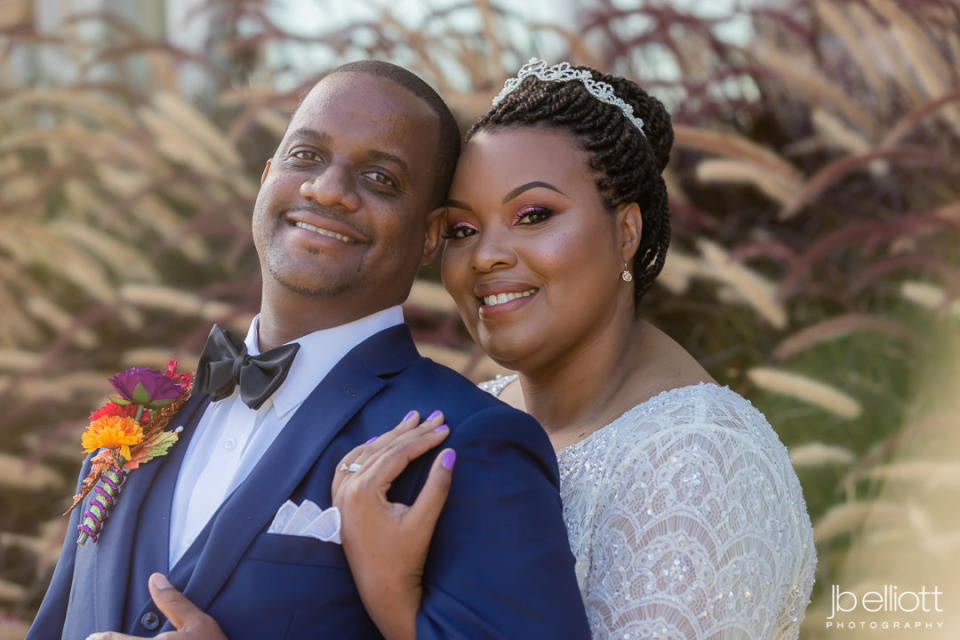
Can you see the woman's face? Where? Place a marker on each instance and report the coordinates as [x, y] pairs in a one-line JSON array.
[[532, 257]]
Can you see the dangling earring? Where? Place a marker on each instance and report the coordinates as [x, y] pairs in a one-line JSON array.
[[625, 275]]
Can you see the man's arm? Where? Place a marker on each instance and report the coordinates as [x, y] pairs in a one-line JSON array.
[[500, 563], [48, 623]]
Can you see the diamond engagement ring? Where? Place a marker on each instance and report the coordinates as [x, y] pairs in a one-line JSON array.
[[352, 468]]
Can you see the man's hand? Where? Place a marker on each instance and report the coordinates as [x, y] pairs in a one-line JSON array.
[[190, 622]]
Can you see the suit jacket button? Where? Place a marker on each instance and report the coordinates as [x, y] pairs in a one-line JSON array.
[[150, 621]]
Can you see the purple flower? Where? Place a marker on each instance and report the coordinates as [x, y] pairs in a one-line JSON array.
[[147, 387]]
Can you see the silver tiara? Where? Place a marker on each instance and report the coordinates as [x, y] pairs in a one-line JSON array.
[[563, 72]]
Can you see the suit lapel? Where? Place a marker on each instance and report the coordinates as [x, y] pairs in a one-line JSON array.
[[111, 554], [345, 390]]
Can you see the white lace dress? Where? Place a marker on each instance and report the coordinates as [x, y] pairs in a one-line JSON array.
[[687, 521]]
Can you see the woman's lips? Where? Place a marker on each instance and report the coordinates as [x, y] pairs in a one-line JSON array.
[[496, 304], [495, 299]]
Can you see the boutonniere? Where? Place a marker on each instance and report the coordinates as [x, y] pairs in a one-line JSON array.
[[129, 431]]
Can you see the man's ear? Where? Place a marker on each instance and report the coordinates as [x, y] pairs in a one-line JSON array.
[[433, 241], [266, 172], [629, 228]]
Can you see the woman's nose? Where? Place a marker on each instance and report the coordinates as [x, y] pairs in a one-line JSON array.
[[492, 250]]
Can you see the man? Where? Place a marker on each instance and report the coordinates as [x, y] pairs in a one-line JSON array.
[[348, 208]]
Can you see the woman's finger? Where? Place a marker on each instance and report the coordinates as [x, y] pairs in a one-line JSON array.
[[426, 508], [342, 470], [390, 463], [409, 421], [379, 449], [355, 464], [363, 451], [377, 444]]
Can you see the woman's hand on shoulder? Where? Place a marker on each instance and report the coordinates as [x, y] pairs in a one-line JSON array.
[[385, 542]]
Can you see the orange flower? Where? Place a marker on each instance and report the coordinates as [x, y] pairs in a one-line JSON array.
[[111, 432]]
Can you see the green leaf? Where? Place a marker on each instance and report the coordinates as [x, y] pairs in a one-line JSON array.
[[141, 395]]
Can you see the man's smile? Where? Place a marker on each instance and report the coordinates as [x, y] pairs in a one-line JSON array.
[[324, 232], [328, 228]]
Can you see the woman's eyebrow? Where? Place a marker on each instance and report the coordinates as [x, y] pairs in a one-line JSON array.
[[530, 185], [513, 193], [456, 204]]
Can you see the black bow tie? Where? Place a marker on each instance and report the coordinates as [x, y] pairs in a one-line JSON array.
[[225, 363]]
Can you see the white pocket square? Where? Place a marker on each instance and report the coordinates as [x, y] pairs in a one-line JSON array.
[[307, 520]]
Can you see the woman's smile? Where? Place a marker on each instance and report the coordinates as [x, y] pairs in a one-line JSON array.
[[501, 302]]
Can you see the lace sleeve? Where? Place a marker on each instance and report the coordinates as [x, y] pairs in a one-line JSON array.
[[700, 532]]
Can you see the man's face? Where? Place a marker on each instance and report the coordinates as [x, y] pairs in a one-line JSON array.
[[342, 210]]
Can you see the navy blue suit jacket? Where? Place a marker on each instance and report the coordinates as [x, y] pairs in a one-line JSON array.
[[499, 565]]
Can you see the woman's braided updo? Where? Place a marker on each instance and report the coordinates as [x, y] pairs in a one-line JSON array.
[[626, 162]]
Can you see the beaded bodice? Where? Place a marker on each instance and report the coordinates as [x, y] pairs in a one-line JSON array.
[[687, 521]]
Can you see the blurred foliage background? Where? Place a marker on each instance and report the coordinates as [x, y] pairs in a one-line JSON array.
[[815, 200]]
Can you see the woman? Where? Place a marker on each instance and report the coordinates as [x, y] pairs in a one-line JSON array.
[[684, 513]]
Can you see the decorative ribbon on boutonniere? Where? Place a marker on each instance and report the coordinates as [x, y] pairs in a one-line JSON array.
[[129, 431]]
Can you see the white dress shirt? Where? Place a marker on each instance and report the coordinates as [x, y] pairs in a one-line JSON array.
[[231, 437]]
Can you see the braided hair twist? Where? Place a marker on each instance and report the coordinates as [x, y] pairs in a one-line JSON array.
[[627, 164]]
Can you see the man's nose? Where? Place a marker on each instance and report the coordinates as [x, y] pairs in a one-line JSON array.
[[334, 188]]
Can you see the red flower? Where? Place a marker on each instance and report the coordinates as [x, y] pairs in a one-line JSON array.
[[182, 380], [121, 411]]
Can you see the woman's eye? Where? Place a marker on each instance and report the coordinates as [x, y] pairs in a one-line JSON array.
[[533, 215], [458, 232]]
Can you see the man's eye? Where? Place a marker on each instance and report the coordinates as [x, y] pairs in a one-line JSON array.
[[305, 154], [382, 178]]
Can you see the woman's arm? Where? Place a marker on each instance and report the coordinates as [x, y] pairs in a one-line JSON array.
[[385, 542], [696, 535], [500, 563]]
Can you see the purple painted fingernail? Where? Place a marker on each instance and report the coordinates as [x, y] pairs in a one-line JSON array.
[[370, 440], [434, 415], [442, 427], [447, 458], [409, 415]]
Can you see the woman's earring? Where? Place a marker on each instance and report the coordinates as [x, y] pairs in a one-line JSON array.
[[625, 275]]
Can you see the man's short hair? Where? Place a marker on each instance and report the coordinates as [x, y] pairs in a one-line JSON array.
[[448, 130]]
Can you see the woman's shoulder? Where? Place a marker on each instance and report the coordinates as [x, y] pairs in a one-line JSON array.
[[697, 472], [705, 408], [686, 436], [496, 386], [703, 427]]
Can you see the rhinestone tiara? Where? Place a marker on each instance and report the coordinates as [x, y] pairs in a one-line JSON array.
[[563, 72]]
